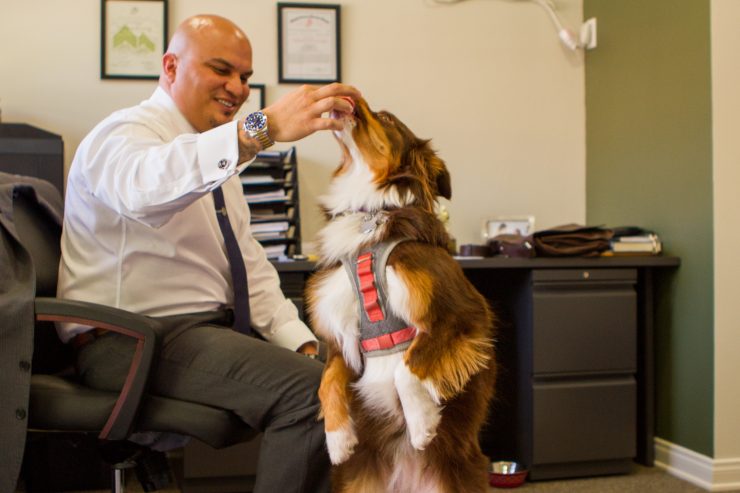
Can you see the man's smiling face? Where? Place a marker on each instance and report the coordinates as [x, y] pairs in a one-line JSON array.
[[211, 76]]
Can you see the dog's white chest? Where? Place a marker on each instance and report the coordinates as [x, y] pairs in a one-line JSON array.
[[376, 387], [338, 307]]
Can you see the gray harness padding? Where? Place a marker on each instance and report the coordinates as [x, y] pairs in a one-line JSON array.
[[390, 323]]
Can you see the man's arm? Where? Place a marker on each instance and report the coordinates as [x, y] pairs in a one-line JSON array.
[[299, 114], [129, 167]]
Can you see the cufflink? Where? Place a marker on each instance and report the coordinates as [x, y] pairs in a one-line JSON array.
[[222, 164]]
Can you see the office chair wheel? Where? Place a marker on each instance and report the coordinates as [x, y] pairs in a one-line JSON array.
[[151, 467]]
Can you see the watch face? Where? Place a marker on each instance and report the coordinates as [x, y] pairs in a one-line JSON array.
[[255, 121]]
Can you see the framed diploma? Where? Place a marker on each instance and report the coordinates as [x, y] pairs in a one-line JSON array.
[[308, 43], [133, 37]]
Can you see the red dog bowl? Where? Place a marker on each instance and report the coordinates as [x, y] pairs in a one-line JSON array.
[[506, 474]]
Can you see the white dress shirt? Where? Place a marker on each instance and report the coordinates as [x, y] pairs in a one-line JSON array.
[[140, 229]]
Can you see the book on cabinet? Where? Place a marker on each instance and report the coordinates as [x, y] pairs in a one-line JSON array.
[[648, 243]]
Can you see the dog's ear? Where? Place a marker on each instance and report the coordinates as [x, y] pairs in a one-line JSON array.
[[434, 169], [444, 185], [441, 176]]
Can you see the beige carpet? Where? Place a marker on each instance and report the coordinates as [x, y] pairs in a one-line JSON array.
[[641, 480]]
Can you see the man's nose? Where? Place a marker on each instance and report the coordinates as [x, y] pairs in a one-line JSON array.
[[236, 87]]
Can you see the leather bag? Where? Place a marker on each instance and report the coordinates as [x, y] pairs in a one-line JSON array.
[[512, 245], [572, 240]]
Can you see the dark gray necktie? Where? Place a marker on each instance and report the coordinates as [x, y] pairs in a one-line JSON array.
[[236, 264]]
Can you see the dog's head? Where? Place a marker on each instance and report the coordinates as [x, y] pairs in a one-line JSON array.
[[385, 165]]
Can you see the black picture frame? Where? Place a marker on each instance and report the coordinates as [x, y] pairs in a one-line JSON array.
[[255, 102], [133, 38], [257, 94], [309, 43]]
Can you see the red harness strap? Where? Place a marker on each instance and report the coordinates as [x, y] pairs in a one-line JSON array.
[[367, 287], [387, 341], [368, 290]]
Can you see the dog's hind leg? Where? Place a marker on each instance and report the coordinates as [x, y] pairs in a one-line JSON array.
[[363, 473], [458, 467]]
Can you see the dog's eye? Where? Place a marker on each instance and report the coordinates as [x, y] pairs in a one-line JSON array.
[[385, 117]]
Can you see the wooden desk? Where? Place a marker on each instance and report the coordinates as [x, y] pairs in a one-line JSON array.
[[575, 395]]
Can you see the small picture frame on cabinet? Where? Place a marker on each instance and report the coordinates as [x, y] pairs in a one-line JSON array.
[[508, 225]]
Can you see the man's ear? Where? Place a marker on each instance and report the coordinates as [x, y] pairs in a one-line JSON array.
[[169, 66]]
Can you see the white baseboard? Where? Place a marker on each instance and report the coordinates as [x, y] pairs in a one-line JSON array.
[[705, 472]]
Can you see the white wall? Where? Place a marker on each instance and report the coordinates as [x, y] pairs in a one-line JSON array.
[[726, 122], [487, 80]]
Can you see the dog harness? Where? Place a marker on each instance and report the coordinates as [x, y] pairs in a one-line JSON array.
[[381, 332]]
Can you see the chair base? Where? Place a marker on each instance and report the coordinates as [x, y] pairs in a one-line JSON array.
[[118, 476], [59, 462], [62, 461], [151, 467]]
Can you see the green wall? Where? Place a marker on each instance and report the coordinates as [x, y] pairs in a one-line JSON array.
[[649, 163]]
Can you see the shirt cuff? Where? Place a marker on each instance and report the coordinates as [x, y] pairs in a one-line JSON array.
[[218, 152], [292, 335]]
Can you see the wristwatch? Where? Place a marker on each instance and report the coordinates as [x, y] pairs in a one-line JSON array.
[[255, 125]]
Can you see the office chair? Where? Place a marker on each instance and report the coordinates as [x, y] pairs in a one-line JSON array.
[[59, 402]]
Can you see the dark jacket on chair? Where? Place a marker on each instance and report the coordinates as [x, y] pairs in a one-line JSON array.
[[17, 291]]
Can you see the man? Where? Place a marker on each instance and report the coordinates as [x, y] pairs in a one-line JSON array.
[[141, 233]]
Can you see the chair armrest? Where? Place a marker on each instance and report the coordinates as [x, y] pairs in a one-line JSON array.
[[121, 421]]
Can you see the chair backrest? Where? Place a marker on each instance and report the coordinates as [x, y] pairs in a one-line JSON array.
[[40, 234]]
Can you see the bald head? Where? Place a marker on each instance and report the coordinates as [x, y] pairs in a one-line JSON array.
[[206, 68], [201, 28]]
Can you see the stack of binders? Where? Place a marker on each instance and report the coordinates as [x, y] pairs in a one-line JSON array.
[[634, 240]]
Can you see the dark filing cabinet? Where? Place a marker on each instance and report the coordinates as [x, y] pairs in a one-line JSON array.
[[569, 373], [30, 151]]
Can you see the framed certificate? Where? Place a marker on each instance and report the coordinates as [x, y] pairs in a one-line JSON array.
[[308, 43], [133, 37]]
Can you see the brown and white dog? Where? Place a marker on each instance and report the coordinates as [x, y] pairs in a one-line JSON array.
[[403, 421]]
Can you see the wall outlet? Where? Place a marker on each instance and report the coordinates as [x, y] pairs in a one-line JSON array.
[[588, 34]]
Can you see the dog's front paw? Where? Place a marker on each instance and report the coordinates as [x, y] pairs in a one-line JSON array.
[[422, 427], [341, 444]]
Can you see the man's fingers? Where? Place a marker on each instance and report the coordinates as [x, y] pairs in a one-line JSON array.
[[327, 124], [336, 89], [306, 110], [340, 104], [344, 104]]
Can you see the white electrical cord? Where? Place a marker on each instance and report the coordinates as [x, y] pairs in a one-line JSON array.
[[566, 35]]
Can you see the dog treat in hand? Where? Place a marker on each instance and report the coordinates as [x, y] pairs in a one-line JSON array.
[[350, 101]]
